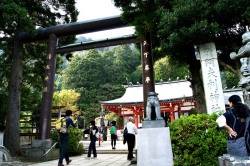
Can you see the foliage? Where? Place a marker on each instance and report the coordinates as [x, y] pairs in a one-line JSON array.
[[165, 70], [192, 111], [231, 80], [67, 98], [29, 59], [197, 140], [98, 76], [74, 145], [176, 26], [114, 117]]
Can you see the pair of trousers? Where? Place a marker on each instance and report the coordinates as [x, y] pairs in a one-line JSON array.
[[92, 147], [113, 140], [64, 138], [131, 145]]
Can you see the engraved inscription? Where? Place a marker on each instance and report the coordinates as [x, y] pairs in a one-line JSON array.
[[45, 89], [146, 54], [147, 67], [49, 56], [145, 42], [147, 80], [211, 73]]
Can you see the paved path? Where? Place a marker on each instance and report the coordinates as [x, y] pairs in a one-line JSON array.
[[116, 157], [102, 160]]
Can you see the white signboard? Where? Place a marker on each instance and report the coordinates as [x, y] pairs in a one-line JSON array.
[[211, 78]]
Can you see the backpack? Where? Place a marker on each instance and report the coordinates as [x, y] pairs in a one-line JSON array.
[[112, 130], [61, 125]]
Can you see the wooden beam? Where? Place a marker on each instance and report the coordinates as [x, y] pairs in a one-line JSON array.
[[74, 28], [98, 44]]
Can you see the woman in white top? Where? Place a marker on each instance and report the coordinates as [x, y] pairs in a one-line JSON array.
[[234, 119]]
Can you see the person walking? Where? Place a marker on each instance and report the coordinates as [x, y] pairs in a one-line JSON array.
[[132, 130], [64, 138], [113, 132], [235, 121], [93, 130]]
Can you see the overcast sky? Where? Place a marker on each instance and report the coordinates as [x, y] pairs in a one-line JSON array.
[[93, 9]]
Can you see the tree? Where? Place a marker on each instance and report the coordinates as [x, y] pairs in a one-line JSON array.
[[99, 77], [177, 26], [67, 98], [164, 70], [21, 16]]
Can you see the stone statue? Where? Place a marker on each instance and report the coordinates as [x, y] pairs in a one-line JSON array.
[[153, 100]]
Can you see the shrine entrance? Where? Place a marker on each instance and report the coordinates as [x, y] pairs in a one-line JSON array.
[[52, 34]]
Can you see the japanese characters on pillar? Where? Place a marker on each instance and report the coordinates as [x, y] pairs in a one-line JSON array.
[[211, 79], [48, 87], [147, 69]]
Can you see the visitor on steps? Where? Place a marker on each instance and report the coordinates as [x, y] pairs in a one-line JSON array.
[[113, 132], [132, 130], [93, 130], [64, 138]]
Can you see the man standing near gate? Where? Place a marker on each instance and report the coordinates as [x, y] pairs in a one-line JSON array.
[[132, 130]]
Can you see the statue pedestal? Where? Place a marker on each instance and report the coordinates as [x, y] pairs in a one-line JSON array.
[[154, 146], [153, 123], [40, 147]]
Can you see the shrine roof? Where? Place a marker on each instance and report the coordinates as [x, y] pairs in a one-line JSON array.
[[167, 92]]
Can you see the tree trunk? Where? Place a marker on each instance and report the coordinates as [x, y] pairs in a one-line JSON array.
[[12, 134], [197, 87]]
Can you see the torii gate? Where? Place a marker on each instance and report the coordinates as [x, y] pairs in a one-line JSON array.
[[53, 33]]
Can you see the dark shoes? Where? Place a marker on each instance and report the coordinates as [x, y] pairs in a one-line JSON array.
[[113, 148], [68, 161], [131, 158]]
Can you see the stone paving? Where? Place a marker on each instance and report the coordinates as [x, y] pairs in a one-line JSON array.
[[116, 157], [102, 160]]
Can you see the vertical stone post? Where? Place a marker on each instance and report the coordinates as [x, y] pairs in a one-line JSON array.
[[147, 69], [211, 78], [48, 87], [1, 144]]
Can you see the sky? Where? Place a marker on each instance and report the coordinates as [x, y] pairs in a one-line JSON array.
[[95, 9]]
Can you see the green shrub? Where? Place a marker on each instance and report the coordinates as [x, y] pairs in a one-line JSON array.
[[75, 136], [193, 111], [197, 140]]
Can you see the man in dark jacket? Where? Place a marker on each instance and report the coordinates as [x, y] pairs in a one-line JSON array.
[[93, 130], [64, 138]]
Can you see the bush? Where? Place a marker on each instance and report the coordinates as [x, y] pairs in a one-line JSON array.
[[193, 111], [75, 136], [197, 140]]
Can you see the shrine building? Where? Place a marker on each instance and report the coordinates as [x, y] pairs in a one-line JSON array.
[[176, 99]]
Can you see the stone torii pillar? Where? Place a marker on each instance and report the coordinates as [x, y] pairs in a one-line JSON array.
[[48, 88], [147, 69]]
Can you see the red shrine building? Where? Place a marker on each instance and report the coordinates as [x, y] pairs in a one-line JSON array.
[[176, 99]]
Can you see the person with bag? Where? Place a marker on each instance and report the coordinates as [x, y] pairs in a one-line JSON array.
[[113, 132], [132, 130], [64, 138], [93, 137], [236, 122]]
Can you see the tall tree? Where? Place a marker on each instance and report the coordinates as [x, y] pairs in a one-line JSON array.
[[20, 16], [177, 25], [98, 77]]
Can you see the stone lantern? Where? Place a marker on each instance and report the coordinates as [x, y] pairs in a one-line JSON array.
[[244, 57]]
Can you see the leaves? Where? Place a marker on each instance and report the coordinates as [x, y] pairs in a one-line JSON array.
[[197, 140]]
